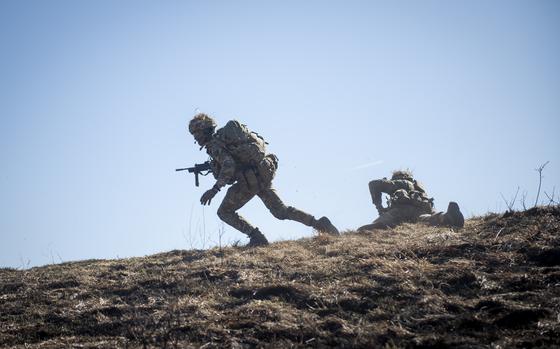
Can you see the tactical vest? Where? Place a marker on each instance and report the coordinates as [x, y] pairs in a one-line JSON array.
[[246, 147], [416, 197]]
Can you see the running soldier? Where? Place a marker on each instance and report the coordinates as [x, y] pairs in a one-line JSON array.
[[238, 158], [408, 202]]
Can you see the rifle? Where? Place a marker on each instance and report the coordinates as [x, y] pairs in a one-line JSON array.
[[197, 170]]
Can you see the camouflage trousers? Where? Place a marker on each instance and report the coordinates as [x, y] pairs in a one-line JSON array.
[[405, 213], [237, 196], [241, 192]]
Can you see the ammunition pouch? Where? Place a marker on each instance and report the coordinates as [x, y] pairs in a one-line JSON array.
[[259, 176], [266, 169], [413, 198], [250, 177]]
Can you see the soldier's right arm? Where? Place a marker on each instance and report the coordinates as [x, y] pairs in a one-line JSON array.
[[225, 162], [378, 187]]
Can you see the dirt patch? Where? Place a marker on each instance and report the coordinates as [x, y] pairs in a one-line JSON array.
[[12, 287], [547, 257], [521, 317], [285, 293], [62, 284]]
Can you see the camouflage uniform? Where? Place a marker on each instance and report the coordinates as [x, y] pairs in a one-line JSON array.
[[250, 171], [408, 202]]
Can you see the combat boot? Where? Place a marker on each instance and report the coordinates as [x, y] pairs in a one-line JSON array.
[[257, 239], [453, 216], [324, 224]]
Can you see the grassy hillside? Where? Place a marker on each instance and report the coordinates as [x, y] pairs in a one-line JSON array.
[[494, 284]]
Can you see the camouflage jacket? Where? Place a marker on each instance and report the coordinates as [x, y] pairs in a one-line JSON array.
[[232, 149], [401, 192]]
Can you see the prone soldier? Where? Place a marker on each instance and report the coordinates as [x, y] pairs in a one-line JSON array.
[[408, 202]]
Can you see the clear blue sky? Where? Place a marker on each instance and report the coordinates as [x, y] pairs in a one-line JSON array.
[[95, 97]]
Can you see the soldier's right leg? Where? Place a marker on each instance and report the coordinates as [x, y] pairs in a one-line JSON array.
[[435, 219], [236, 197], [453, 217]]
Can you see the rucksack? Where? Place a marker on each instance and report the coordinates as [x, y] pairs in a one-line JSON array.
[[245, 146], [415, 197]]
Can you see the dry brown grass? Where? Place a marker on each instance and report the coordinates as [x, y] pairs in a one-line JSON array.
[[495, 283]]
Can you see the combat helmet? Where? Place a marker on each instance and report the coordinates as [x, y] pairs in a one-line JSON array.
[[202, 128], [403, 175], [202, 123]]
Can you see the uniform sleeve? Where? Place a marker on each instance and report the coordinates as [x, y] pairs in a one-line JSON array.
[[378, 187], [226, 164]]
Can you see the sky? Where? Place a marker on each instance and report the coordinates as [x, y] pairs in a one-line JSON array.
[[95, 98]]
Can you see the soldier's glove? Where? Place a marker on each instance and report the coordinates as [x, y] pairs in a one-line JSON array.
[[208, 196]]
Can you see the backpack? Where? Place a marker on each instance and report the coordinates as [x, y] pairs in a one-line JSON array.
[[245, 146], [416, 197]]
